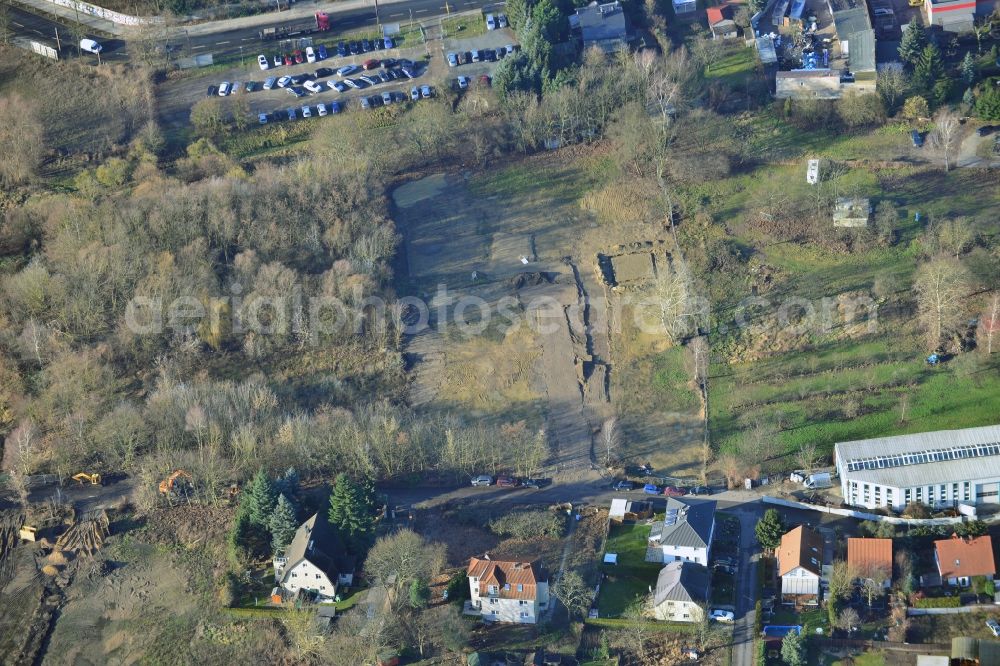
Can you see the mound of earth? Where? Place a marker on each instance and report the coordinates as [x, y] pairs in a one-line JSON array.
[[532, 279]]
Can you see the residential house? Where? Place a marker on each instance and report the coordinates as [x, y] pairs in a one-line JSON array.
[[315, 561], [603, 25], [681, 592], [960, 559], [720, 23], [871, 558], [685, 533], [506, 590], [800, 566]]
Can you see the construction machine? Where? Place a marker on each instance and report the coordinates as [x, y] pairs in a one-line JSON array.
[[83, 477], [177, 483]]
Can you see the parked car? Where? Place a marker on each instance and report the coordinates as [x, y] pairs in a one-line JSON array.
[[390, 74], [452, 60], [284, 82], [336, 107], [414, 93], [213, 91], [310, 54], [90, 46], [299, 79], [224, 88], [477, 56], [489, 55], [917, 138], [298, 57], [321, 53], [371, 63], [262, 62], [323, 72], [339, 86], [306, 112], [426, 92], [508, 482], [321, 109], [701, 490], [298, 91], [623, 486], [674, 491], [482, 479], [501, 20], [377, 44], [291, 114], [985, 130], [720, 615], [389, 62], [313, 87], [536, 483], [388, 43], [279, 60], [491, 22], [463, 82], [651, 489], [342, 49], [269, 82], [408, 72], [485, 80], [366, 103], [262, 118], [354, 48], [387, 98], [510, 48], [356, 83], [366, 46], [371, 79], [347, 70]]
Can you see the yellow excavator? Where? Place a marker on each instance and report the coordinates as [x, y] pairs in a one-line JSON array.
[[83, 477], [177, 483]]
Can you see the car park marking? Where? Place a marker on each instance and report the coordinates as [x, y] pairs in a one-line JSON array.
[[16, 24], [421, 11], [225, 42]]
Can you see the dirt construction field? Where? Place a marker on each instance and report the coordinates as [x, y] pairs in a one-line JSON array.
[[518, 313]]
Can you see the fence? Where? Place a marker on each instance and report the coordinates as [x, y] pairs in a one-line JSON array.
[[919, 648], [196, 61], [977, 608], [861, 515]]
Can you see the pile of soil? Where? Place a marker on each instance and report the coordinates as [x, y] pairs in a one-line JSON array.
[[531, 279], [189, 525]]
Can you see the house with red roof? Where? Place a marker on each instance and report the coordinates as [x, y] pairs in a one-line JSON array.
[[507, 590], [960, 559], [720, 22]]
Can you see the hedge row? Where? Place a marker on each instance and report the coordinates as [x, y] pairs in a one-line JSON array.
[[938, 602]]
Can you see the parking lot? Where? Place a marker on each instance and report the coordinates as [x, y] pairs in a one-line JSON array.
[[300, 83]]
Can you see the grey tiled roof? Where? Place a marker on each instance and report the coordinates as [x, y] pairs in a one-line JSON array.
[[686, 524], [682, 581]]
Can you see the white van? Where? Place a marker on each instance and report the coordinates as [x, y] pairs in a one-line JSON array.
[[90, 46]]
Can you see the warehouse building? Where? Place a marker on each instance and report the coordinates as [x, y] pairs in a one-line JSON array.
[[939, 469]]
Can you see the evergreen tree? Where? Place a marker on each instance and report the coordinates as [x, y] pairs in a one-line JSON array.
[[769, 529], [516, 73], [988, 104], [420, 593], [928, 69], [352, 514], [242, 538], [259, 500], [968, 69], [793, 649], [288, 485], [913, 43], [283, 524]]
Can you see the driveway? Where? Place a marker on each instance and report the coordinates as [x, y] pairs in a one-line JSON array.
[[968, 152], [746, 592]]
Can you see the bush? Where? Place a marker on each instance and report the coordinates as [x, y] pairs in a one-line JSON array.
[[938, 602], [529, 525], [916, 510]]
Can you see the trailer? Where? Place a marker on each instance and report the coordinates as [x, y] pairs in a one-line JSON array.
[[320, 22]]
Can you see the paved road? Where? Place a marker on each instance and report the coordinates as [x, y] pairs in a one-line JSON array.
[[746, 592]]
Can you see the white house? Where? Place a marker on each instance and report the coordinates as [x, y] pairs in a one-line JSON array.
[[800, 565], [939, 469], [507, 591], [681, 592], [685, 534], [314, 561]]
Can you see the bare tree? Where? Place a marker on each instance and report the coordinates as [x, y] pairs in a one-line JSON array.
[[989, 324], [573, 593], [848, 619], [945, 135], [301, 631], [891, 85], [842, 577], [873, 583], [681, 311], [407, 556], [636, 632], [941, 285], [22, 137], [610, 439], [807, 457]]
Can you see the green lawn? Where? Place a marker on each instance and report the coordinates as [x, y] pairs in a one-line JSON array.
[[464, 27], [629, 580], [734, 67]]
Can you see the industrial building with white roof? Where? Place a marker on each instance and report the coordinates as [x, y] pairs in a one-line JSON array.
[[939, 469]]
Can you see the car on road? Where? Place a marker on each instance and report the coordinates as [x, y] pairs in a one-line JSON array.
[[387, 98], [347, 70], [284, 82], [917, 138], [508, 481], [414, 93], [701, 490], [262, 62], [269, 82], [482, 479], [985, 130], [224, 88], [720, 615], [623, 486], [463, 82], [323, 72], [339, 86], [426, 92], [90, 46], [262, 118], [651, 489], [536, 483], [313, 86], [452, 60], [321, 52], [491, 22], [674, 491]]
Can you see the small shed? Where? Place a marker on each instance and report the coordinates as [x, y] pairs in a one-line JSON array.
[[618, 507], [611, 558], [851, 212]]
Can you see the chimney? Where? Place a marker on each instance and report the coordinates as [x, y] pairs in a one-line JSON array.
[[486, 556]]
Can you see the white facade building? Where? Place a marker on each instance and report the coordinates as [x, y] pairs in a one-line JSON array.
[[681, 591], [314, 561], [939, 469], [684, 535], [507, 591]]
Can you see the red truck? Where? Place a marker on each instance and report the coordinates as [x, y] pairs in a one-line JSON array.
[[320, 22]]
